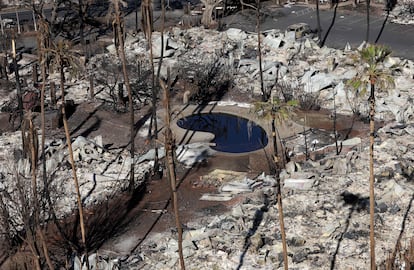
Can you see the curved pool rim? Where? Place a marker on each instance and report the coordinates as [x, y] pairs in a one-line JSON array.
[[258, 131]]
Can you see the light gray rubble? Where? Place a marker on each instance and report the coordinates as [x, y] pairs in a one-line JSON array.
[[326, 208], [403, 13], [101, 173], [325, 201]]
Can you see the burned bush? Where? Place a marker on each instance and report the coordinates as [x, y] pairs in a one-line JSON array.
[[209, 80], [110, 77], [306, 101]]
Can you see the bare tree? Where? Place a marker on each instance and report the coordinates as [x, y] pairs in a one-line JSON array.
[[265, 95], [207, 17], [147, 18], [17, 77], [20, 207], [29, 137], [277, 110], [120, 37], [43, 37], [170, 147], [205, 81], [62, 56], [32, 138]]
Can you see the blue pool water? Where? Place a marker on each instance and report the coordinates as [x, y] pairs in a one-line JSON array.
[[233, 134]]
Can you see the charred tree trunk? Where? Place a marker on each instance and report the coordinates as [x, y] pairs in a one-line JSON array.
[[153, 129], [120, 37], [209, 6], [52, 94], [147, 18], [170, 164], [33, 146], [73, 166], [18, 86], [34, 74], [265, 95], [371, 176], [91, 88]]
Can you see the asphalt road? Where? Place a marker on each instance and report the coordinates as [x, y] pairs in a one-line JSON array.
[[349, 28]]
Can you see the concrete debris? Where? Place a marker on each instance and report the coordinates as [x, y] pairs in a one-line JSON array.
[[98, 170], [402, 14], [194, 153], [236, 35], [169, 45], [220, 197], [318, 82], [336, 188], [324, 199], [272, 42], [236, 187], [300, 184], [188, 154], [230, 183], [96, 262]]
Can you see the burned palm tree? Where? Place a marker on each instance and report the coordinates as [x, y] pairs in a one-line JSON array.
[[30, 150], [43, 43], [372, 74], [42, 38], [277, 110]]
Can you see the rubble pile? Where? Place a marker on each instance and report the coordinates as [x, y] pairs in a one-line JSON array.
[[300, 67], [101, 173], [403, 13], [326, 208], [325, 200]]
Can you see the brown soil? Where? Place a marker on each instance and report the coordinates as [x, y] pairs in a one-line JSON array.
[[347, 126]]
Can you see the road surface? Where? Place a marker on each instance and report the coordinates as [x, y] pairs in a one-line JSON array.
[[348, 27]]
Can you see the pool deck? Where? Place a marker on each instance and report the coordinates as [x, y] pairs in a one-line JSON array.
[[286, 128]]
